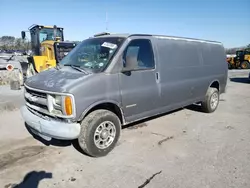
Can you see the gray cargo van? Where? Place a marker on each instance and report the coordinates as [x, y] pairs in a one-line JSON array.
[[111, 80]]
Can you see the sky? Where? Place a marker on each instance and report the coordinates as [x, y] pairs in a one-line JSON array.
[[227, 21]]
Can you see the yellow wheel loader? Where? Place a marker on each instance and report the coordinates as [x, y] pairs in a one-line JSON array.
[[244, 58], [241, 60], [48, 48]]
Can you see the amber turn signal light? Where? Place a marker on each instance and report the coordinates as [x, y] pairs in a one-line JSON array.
[[68, 105]]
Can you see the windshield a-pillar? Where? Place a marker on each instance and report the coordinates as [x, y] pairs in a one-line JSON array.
[[48, 34]]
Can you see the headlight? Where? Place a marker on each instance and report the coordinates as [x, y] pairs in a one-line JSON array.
[[61, 105], [58, 100]]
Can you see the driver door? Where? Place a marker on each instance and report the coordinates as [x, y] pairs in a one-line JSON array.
[[138, 81]]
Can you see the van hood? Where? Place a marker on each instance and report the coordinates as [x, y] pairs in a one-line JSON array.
[[56, 80]]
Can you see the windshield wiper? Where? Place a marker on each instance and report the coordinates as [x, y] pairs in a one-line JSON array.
[[76, 67]]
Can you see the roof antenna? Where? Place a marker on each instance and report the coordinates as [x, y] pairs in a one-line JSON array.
[[106, 21]]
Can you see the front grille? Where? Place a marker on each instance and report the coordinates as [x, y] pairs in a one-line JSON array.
[[36, 100], [39, 114], [36, 93], [42, 103], [36, 104]]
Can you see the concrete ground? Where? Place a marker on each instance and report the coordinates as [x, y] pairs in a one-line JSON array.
[[183, 149]]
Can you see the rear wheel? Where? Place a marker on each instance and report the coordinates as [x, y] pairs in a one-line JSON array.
[[211, 101], [100, 131], [245, 65]]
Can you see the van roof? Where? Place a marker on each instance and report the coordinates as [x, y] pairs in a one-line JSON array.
[[126, 35]]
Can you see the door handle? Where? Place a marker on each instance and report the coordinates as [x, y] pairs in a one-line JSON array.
[[157, 77]]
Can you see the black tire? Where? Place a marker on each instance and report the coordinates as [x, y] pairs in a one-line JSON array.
[[88, 127], [206, 105], [245, 65]]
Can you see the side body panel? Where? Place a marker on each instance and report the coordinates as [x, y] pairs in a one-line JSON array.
[[180, 72], [215, 66], [187, 68]]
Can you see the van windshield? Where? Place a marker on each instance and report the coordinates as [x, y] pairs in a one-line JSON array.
[[93, 54]]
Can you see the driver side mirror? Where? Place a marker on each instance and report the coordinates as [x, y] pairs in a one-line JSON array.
[[23, 34], [129, 63]]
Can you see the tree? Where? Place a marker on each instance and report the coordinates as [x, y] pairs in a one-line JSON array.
[[8, 40], [231, 50], [9, 43], [18, 43], [248, 46], [12, 43]]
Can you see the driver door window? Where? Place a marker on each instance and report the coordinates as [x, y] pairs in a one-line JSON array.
[[139, 56]]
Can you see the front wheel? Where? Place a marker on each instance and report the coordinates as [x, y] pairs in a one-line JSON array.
[[245, 65], [100, 131], [211, 101]]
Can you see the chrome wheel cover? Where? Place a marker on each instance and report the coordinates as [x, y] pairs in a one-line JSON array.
[[104, 135]]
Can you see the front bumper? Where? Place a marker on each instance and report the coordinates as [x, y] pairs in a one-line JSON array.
[[50, 128]]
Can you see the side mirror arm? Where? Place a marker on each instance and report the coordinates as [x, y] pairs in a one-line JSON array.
[[123, 63]]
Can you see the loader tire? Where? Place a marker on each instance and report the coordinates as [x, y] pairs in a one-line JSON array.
[[245, 65]]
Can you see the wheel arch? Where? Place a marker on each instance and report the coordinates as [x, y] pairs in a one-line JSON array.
[[110, 105], [208, 102], [215, 84]]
